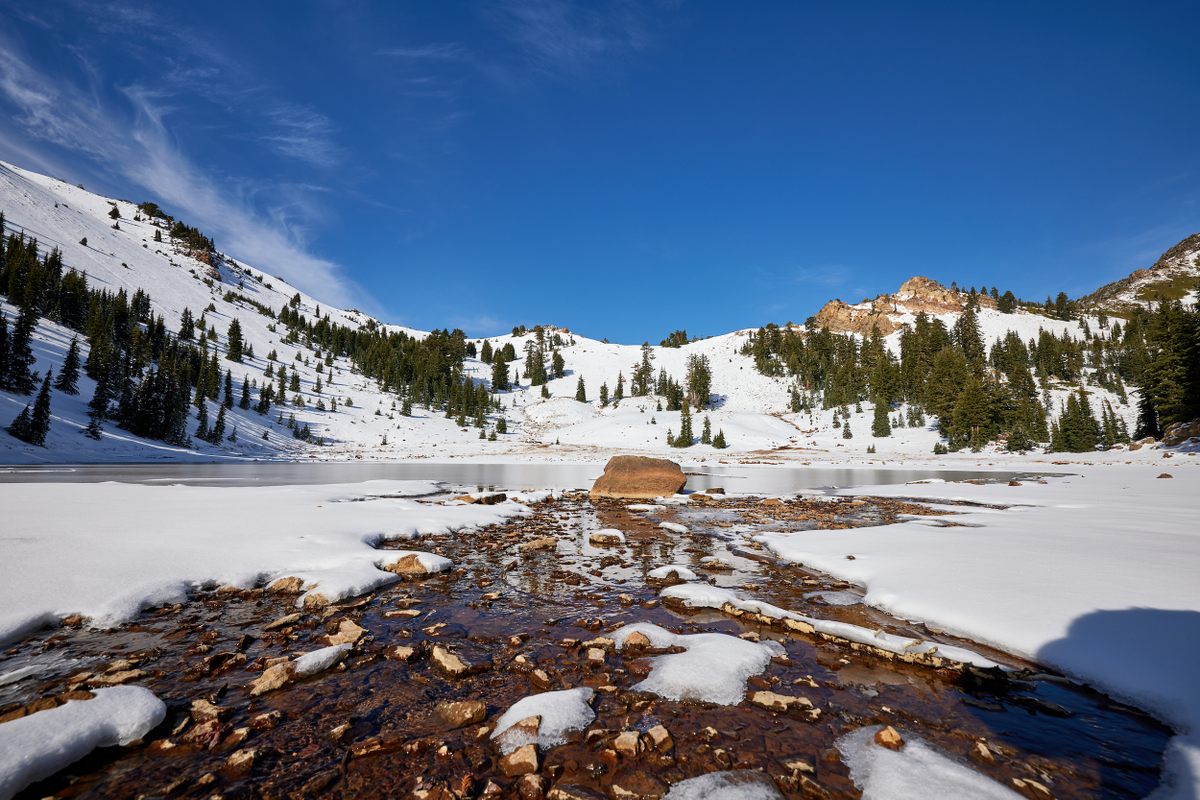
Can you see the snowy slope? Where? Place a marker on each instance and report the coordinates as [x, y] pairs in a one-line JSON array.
[[750, 408]]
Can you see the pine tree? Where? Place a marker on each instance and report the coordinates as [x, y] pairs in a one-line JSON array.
[[5, 354], [719, 440], [880, 424], [244, 401], [202, 421], [604, 395], [557, 365], [846, 433], [685, 428], [619, 393], [234, 345], [67, 381], [21, 379], [218, 431], [40, 421], [706, 432], [20, 427], [499, 375], [580, 391]]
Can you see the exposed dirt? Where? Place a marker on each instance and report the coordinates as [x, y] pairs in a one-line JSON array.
[[518, 619]]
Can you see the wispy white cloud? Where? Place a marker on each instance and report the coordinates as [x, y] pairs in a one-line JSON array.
[[265, 225], [563, 37], [301, 133]]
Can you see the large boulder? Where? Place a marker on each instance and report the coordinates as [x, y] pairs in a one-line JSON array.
[[638, 478]]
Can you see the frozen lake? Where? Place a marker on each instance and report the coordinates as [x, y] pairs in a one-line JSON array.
[[755, 479]]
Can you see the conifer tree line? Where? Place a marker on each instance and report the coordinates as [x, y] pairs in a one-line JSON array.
[[981, 394]]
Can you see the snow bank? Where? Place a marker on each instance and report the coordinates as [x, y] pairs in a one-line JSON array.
[[713, 668], [678, 570], [561, 712], [742, 784], [41, 744], [1093, 574], [916, 770], [109, 550], [673, 527], [701, 595]]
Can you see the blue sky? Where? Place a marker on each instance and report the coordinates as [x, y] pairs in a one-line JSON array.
[[623, 168]]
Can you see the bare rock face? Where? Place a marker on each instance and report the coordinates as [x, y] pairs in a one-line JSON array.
[[638, 478], [1181, 432], [915, 295]]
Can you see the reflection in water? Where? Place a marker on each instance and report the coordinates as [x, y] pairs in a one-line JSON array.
[[734, 478]]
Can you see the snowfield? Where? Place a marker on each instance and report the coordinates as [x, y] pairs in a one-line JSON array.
[[1095, 575], [750, 408], [112, 549]]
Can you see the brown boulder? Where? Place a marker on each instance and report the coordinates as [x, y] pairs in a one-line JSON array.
[[638, 478]]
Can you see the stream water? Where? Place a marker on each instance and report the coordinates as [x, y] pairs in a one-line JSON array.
[[519, 618]]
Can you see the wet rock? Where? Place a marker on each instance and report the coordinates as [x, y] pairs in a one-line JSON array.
[[457, 713], [595, 656], [637, 639], [483, 499], [448, 662], [348, 632], [117, 678], [659, 739], [274, 677], [606, 538], [567, 791], [781, 702], [637, 785], [403, 613], [531, 787], [889, 737], [202, 710], [289, 585], [539, 544], [403, 652], [409, 565], [628, 743], [1032, 789], [982, 754], [522, 761], [283, 622], [265, 721], [638, 478]]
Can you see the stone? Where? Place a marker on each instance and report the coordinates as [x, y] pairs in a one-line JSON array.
[[404, 652], [607, 539], [567, 791], [1032, 789], [1179, 432], [538, 544], [779, 702], [457, 713], [283, 622], [638, 478], [595, 655], [1166, 475], [407, 565], [522, 761], [483, 499], [203, 710], [449, 662], [637, 639], [531, 787], [660, 739], [628, 743], [982, 753], [637, 785], [348, 632], [117, 678], [274, 677], [889, 737], [288, 585]]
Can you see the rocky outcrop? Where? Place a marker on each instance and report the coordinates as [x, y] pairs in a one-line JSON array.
[[638, 478], [916, 295]]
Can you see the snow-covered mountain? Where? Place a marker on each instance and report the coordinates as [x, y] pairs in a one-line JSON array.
[[750, 408], [1175, 276]]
